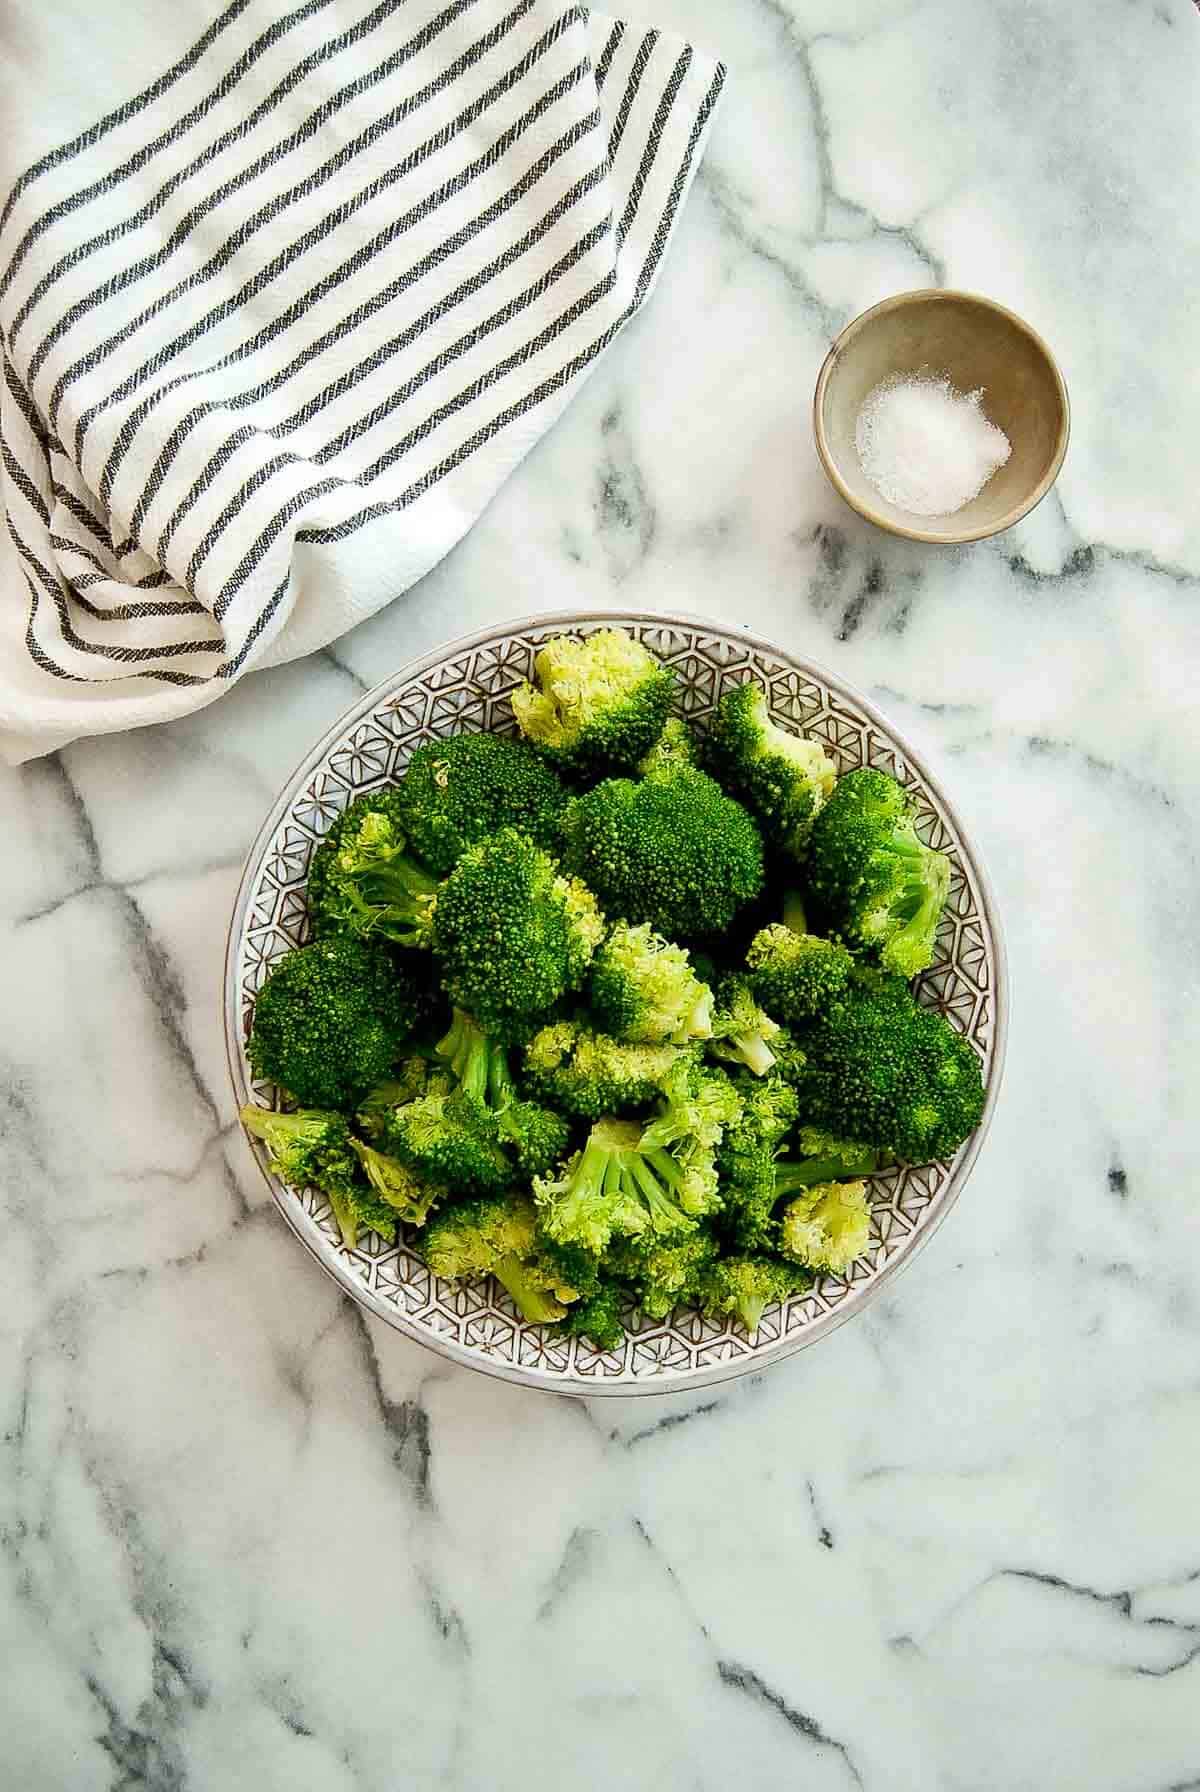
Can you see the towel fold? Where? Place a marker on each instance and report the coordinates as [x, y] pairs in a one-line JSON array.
[[277, 325]]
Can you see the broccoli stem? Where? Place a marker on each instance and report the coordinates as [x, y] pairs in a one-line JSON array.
[[665, 1215], [750, 1309], [794, 917], [344, 1218], [467, 1050], [534, 1304], [754, 1052]]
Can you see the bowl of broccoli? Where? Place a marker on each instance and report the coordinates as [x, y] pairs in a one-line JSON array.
[[614, 1003]]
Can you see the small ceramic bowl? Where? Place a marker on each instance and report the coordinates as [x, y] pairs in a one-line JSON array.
[[976, 344]]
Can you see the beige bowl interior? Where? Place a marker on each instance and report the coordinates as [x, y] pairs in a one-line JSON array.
[[975, 344]]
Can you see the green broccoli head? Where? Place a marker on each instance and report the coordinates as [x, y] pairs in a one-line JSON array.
[[512, 934], [308, 1148], [784, 778], [498, 1237], [675, 746], [873, 881], [411, 1078], [797, 975], [614, 1187], [884, 1070], [407, 1194], [644, 989], [747, 1160], [663, 1273], [451, 1140], [743, 1032], [455, 792], [599, 701], [359, 1208], [331, 1020], [362, 882], [827, 1227], [591, 1074], [536, 1136], [698, 1104], [747, 1286], [826, 1158], [599, 1317], [672, 850]]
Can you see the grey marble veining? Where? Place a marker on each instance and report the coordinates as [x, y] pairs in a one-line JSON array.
[[249, 1540]]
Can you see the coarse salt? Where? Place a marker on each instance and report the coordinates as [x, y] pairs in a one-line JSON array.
[[926, 447]]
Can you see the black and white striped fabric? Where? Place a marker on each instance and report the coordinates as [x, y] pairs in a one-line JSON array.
[[276, 327]]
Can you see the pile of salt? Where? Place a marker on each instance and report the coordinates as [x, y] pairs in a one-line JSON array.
[[926, 447]]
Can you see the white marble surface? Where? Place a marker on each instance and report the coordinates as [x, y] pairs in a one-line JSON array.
[[248, 1541]]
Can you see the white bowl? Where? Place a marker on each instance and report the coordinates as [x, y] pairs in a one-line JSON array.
[[465, 686]]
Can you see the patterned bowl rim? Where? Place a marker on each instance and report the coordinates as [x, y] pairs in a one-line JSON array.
[[632, 1384]]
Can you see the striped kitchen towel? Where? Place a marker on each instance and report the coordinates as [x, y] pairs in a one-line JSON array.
[[285, 295]]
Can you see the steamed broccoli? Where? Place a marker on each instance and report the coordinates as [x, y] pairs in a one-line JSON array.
[[827, 1227], [614, 1186], [330, 1020], [698, 1104], [664, 1273], [747, 1286], [671, 850], [782, 776], [411, 1078], [537, 1136], [498, 1237], [644, 989], [362, 881], [308, 1148], [454, 793], [450, 1139], [675, 746], [403, 1190], [747, 1160], [742, 1030], [797, 975], [826, 1158], [590, 1074], [874, 882], [599, 701], [512, 934], [882, 1069], [598, 1317]]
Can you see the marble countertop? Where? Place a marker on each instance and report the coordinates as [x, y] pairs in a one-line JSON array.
[[248, 1540]]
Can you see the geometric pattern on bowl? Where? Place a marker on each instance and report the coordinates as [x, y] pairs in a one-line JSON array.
[[465, 686]]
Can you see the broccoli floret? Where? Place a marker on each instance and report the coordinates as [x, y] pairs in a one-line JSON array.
[[825, 1158], [308, 1148], [598, 1317], [671, 850], [599, 701], [412, 1078], [797, 975], [747, 1160], [743, 1032], [612, 1187], [330, 1020], [827, 1227], [449, 1139], [874, 882], [512, 934], [664, 1273], [644, 989], [536, 1135], [675, 746], [882, 1069], [783, 777], [747, 1286], [698, 1104], [311, 1149], [590, 1074], [498, 1237], [455, 792], [408, 1194], [362, 881]]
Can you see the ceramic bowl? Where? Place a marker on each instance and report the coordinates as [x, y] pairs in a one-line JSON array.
[[977, 345], [465, 686]]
